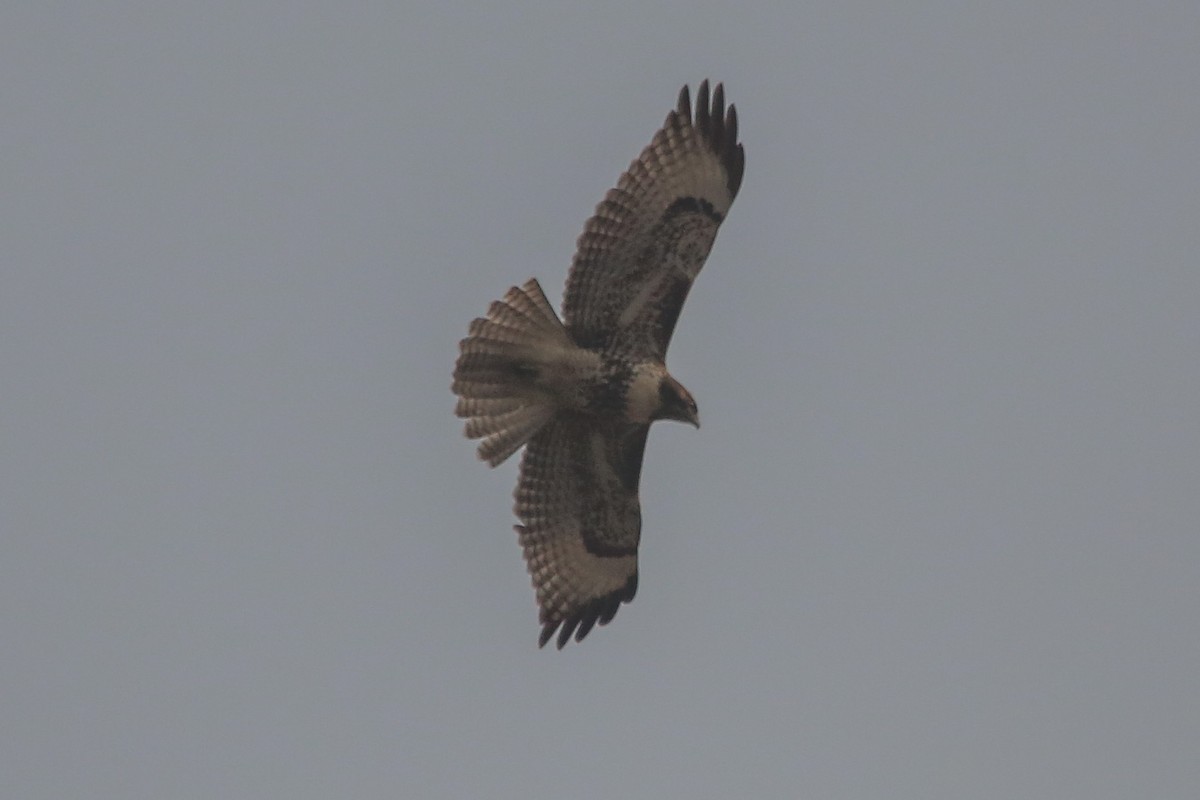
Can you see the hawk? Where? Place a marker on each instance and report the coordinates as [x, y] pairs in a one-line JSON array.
[[579, 394]]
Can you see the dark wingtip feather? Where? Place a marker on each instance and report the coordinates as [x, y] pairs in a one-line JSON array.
[[736, 164], [702, 108], [547, 632], [586, 625], [599, 611], [720, 127], [717, 132], [564, 633], [684, 106]]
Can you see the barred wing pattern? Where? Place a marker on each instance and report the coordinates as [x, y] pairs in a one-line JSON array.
[[640, 252], [578, 502]]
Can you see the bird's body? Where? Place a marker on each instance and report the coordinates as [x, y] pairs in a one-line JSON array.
[[581, 393]]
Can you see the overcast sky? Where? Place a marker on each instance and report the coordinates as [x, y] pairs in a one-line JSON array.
[[938, 538]]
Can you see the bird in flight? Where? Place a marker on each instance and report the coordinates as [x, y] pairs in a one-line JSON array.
[[579, 394]]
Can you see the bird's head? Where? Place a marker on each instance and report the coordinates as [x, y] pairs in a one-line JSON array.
[[676, 402]]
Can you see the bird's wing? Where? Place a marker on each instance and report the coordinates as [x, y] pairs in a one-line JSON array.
[[641, 250], [577, 499]]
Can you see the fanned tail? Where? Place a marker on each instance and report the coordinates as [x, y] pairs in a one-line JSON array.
[[495, 376]]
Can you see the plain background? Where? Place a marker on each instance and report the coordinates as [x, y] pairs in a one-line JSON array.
[[938, 538]]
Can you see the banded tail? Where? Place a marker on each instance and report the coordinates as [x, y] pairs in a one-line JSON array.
[[496, 375]]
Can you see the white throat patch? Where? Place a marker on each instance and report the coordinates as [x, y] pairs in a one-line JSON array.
[[644, 399]]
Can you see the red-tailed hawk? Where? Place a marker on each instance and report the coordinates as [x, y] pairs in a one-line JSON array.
[[581, 393]]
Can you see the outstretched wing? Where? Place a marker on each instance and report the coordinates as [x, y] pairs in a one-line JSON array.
[[577, 499], [649, 237]]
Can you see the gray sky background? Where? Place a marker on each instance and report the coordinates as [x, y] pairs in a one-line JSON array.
[[938, 538]]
